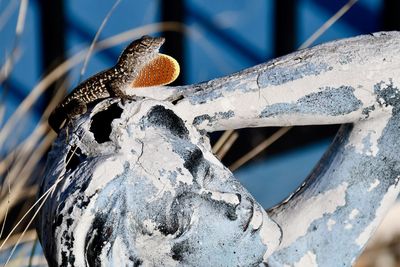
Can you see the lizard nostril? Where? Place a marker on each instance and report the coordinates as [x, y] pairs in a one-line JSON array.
[[101, 123]]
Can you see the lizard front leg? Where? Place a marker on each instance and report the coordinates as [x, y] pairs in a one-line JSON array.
[[115, 89], [75, 107]]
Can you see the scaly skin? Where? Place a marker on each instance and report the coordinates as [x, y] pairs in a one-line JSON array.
[[107, 83]]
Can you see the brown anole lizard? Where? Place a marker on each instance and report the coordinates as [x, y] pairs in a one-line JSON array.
[[140, 65]]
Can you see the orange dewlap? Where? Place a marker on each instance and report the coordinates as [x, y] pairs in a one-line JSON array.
[[160, 71]]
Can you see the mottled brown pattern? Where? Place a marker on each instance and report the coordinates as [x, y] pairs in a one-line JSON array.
[[107, 83]]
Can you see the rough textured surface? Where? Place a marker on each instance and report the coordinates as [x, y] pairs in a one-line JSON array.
[[151, 192]]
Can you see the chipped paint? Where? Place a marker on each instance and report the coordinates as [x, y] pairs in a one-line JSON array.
[[282, 75], [207, 119], [354, 213], [230, 198], [387, 200], [157, 242], [324, 203], [110, 168], [373, 185], [257, 218], [330, 223], [365, 136], [323, 102], [308, 260], [154, 180], [348, 226]]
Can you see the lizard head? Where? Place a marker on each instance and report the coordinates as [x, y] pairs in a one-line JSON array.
[[141, 64], [140, 52]]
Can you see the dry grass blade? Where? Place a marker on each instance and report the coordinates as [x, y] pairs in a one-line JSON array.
[[5, 70], [259, 148], [35, 242], [2, 112], [72, 61], [28, 237], [37, 133], [96, 37], [4, 241], [221, 141], [40, 151], [6, 213], [19, 174], [21, 18], [42, 199], [227, 145], [8, 11], [25, 230], [23, 193], [328, 24], [36, 261], [18, 32]]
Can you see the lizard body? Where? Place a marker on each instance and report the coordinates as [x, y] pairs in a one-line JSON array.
[[110, 83]]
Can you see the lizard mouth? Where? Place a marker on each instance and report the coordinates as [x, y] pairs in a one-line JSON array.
[[161, 70]]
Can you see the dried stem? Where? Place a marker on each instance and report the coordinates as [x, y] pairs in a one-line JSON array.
[[96, 37], [8, 11], [227, 145], [259, 148], [221, 141], [29, 236], [328, 24]]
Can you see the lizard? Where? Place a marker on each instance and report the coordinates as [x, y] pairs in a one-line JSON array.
[[139, 65]]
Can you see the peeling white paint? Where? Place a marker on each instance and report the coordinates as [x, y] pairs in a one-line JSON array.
[[120, 253], [149, 225], [102, 173], [348, 226], [159, 254], [270, 235], [211, 158], [330, 223], [257, 218], [161, 182], [229, 198], [308, 260], [389, 229], [292, 91], [373, 185], [365, 135], [153, 92], [388, 199], [83, 223], [353, 214], [315, 207]]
